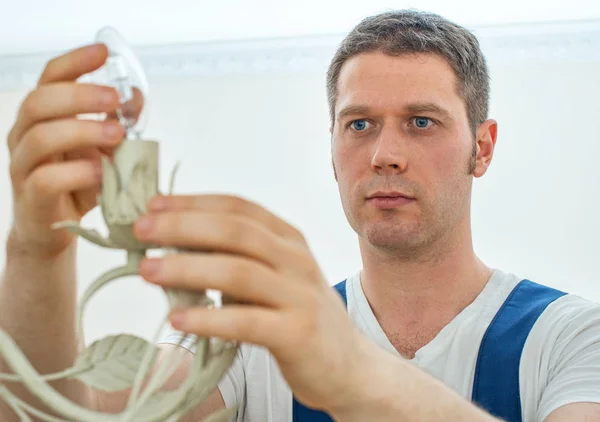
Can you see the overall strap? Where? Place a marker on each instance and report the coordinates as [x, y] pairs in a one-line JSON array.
[[301, 413], [496, 383], [341, 288]]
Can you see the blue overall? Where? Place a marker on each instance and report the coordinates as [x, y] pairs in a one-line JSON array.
[[496, 382]]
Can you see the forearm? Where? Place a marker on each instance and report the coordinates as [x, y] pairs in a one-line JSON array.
[[394, 390], [37, 303]]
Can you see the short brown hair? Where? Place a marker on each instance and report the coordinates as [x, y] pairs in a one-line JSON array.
[[408, 31]]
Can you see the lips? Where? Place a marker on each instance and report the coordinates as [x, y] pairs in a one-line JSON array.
[[389, 200], [381, 194]]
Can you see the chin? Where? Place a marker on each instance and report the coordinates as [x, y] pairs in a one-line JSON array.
[[397, 237]]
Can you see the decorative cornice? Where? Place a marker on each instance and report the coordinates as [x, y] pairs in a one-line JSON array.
[[574, 41]]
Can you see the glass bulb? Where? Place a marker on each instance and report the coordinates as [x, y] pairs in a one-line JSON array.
[[123, 71]]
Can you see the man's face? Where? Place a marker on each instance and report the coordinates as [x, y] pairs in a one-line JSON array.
[[402, 149]]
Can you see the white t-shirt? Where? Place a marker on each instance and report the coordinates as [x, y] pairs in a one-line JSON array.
[[560, 363]]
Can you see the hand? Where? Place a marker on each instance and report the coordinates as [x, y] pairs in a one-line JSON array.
[[265, 263], [54, 156]]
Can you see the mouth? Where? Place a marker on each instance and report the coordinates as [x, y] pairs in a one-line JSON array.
[[388, 200], [391, 194]]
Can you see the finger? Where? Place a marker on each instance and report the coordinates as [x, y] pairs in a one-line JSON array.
[[212, 232], [132, 109], [47, 139], [227, 204], [243, 279], [49, 181], [244, 323], [73, 64], [61, 100], [67, 67], [97, 151], [86, 199]]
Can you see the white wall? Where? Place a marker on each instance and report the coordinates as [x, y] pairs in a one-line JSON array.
[[148, 22], [266, 138]]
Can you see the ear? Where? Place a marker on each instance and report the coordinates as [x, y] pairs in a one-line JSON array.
[[334, 172], [331, 143], [486, 142]]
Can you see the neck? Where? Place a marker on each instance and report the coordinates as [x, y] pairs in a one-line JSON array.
[[424, 291]]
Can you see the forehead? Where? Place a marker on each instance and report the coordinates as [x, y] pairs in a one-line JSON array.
[[377, 79]]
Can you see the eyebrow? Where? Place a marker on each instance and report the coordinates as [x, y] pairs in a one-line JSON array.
[[428, 108], [354, 109], [351, 110]]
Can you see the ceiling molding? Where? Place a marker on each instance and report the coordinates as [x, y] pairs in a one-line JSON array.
[[574, 41]]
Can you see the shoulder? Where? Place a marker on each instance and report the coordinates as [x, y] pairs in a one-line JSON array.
[[565, 329], [570, 313], [557, 326], [560, 363], [568, 331], [552, 309], [567, 317]]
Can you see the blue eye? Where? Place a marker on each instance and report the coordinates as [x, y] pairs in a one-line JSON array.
[[359, 125], [421, 122]]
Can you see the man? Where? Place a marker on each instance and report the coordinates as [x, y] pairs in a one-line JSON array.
[[434, 334]]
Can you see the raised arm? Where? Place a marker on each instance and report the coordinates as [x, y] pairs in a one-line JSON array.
[[56, 173]]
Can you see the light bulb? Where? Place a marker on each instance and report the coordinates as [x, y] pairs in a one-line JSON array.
[[123, 71]]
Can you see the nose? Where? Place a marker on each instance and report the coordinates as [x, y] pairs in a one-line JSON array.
[[390, 153]]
